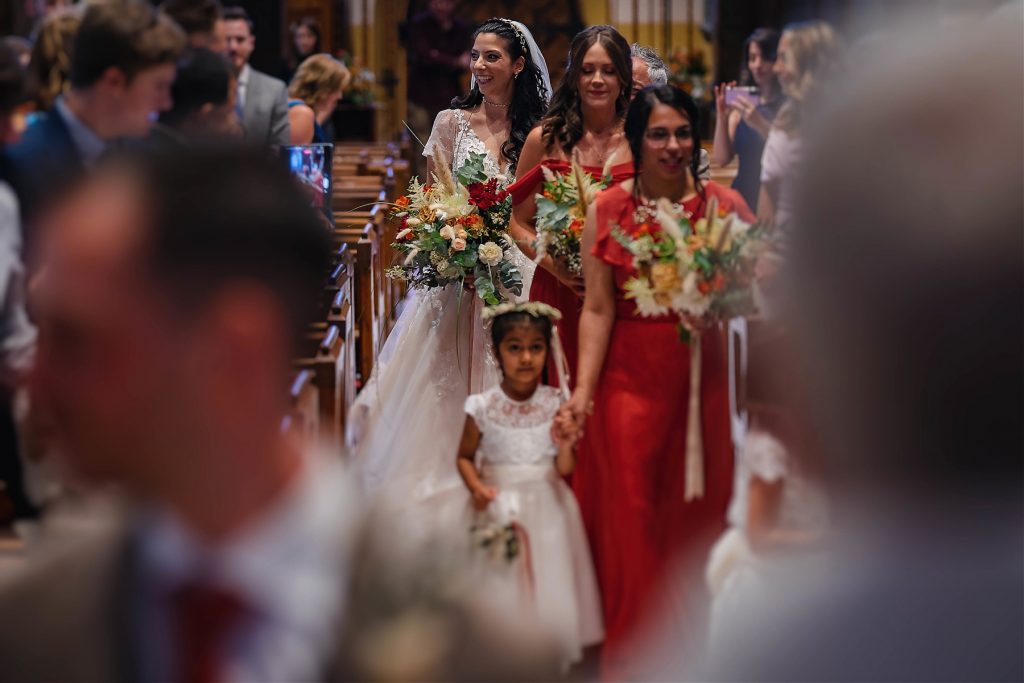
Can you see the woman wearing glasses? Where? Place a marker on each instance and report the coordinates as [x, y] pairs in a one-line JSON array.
[[633, 381]]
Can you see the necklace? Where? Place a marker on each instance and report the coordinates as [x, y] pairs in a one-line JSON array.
[[603, 152], [497, 104]]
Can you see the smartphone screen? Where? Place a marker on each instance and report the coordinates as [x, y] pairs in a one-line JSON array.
[[749, 93]]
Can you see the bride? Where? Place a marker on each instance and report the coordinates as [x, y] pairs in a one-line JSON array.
[[404, 428]]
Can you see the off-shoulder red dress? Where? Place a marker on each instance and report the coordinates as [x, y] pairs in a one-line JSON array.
[[630, 478], [546, 287]]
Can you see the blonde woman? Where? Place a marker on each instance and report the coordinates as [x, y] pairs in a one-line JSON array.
[[315, 91], [49, 66], [808, 55]]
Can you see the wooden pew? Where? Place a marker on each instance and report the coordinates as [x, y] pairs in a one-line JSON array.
[[324, 356], [369, 298], [303, 417]]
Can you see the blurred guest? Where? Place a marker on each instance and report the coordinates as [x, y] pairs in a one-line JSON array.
[[262, 99], [170, 306], [650, 69], [201, 20], [317, 88], [17, 335], [741, 127], [807, 59], [438, 54], [304, 43], [912, 366], [122, 68], [50, 62], [204, 101]]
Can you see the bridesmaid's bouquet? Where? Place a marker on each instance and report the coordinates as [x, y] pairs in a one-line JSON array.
[[702, 271], [456, 229], [561, 207]]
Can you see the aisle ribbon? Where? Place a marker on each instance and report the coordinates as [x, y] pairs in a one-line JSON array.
[[694, 438]]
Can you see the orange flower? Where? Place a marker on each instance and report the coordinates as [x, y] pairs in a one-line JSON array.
[[576, 227], [717, 282], [402, 202], [643, 229], [548, 195], [695, 243]]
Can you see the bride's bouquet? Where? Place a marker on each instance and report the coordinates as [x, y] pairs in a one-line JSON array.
[[703, 271], [561, 207], [454, 229]]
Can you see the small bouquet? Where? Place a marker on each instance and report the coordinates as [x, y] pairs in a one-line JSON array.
[[453, 229], [499, 535], [701, 271], [561, 207]]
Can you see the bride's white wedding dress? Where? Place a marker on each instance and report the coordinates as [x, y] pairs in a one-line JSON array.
[[405, 425]]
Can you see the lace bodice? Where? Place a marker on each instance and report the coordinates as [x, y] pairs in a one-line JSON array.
[[803, 505], [515, 432], [454, 139]]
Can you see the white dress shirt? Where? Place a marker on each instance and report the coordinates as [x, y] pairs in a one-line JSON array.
[[289, 567]]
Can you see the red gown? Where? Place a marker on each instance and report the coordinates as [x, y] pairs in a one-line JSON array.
[[630, 476], [546, 287]]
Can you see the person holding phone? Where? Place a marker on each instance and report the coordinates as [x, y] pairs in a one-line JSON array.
[[745, 112]]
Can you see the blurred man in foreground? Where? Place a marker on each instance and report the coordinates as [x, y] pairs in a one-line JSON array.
[[170, 303]]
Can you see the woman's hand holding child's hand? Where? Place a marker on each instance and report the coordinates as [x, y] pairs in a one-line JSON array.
[[565, 432]]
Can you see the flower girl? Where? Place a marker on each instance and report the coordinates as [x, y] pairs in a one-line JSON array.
[[512, 458]]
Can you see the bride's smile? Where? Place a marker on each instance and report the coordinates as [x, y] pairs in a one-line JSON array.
[[493, 68]]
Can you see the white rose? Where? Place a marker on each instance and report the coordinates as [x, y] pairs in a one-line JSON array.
[[490, 253], [412, 222], [461, 234], [458, 244], [447, 232]]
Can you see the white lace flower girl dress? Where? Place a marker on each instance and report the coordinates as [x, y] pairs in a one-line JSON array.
[[517, 456]]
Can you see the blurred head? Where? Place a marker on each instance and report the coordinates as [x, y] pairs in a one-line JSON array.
[[599, 75], [521, 343], [442, 9], [241, 37], [320, 82], [201, 20], [49, 65], [759, 54], [662, 127], [169, 305], [914, 363], [12, 95], [648, 68], [808, 54], [305, 37], [124, 53], [204, 95]]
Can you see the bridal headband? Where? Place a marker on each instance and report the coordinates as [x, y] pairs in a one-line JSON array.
[[519, 34]]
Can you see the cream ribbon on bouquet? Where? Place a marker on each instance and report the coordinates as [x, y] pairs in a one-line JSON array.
[[694, 436]]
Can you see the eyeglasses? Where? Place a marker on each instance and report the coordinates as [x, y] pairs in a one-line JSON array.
[[658, 137]]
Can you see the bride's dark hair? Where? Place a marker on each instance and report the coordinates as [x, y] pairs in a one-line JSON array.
[[529, 97], [563, 123]]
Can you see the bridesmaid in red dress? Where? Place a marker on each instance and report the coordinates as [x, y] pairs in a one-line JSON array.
[[633, 380], [585, 118]]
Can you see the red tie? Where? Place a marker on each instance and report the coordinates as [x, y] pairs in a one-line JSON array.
[[204, 619]]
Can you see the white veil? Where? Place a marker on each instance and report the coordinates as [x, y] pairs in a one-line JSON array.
[[535, 54]]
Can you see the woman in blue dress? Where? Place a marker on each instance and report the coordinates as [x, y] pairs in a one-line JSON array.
[[314, 92], [741, 127]]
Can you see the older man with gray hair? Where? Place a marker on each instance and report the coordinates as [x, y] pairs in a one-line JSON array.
[[650, 69]]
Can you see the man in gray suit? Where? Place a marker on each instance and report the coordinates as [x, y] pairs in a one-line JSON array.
[[262, 99]]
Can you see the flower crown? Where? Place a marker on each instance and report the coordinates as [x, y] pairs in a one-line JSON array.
[[519, 34], [534, 308]]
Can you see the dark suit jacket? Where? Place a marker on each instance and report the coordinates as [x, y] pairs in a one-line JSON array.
[[43, 161]]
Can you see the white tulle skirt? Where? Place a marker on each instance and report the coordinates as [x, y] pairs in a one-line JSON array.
[[552, 578]]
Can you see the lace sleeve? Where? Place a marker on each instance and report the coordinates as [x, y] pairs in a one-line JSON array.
[[441, 143], [475, 409], [765, 457]]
